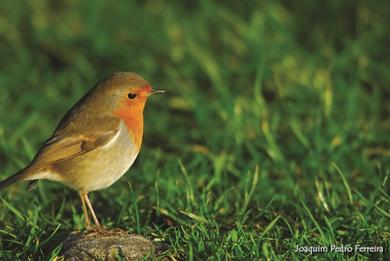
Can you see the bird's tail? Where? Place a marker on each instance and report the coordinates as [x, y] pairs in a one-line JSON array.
[[12, 179]]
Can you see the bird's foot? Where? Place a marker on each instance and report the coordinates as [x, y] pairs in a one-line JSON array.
[[95, 228], [102, 230]]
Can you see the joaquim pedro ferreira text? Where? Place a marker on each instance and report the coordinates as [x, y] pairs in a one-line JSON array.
[[339, 249]]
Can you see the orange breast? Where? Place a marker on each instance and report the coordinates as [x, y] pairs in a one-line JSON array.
[[133, 118]]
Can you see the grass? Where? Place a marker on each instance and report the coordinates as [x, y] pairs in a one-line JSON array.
[[273, 132]]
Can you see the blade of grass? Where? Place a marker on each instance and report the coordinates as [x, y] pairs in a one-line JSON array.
[[323, 236], [270, 226], [346, 185], [14, 210], [248, 195]]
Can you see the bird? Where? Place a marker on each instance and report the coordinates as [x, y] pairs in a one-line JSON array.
[[96, 142]]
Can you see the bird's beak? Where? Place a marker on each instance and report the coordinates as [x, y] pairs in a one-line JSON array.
[[153, 92]]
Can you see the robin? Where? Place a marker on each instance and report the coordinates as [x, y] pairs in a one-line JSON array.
[[96, 142]]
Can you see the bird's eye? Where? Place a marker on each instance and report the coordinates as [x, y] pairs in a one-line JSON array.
[[132, 95]]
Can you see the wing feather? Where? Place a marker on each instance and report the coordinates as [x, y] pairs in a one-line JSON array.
[[69, 144]]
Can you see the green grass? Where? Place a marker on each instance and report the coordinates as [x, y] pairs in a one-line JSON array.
[[273, 133]]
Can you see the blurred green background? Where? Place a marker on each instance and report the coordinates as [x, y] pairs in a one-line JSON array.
[[273, 133]]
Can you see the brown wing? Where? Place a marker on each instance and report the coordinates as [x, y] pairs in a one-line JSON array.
[[72, 142]]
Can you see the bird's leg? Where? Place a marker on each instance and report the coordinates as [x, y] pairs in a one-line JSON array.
[[86, 216], [85, 195]]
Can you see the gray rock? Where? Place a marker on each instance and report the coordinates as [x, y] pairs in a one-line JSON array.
[[107, 245]]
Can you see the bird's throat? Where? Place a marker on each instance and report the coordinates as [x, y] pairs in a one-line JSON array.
[[133, 118]]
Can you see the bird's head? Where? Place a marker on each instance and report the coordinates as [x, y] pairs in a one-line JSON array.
[[128, 91], [123, 95], [122, 92]]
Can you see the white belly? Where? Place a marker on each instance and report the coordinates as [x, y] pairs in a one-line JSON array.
[[116, 158]]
